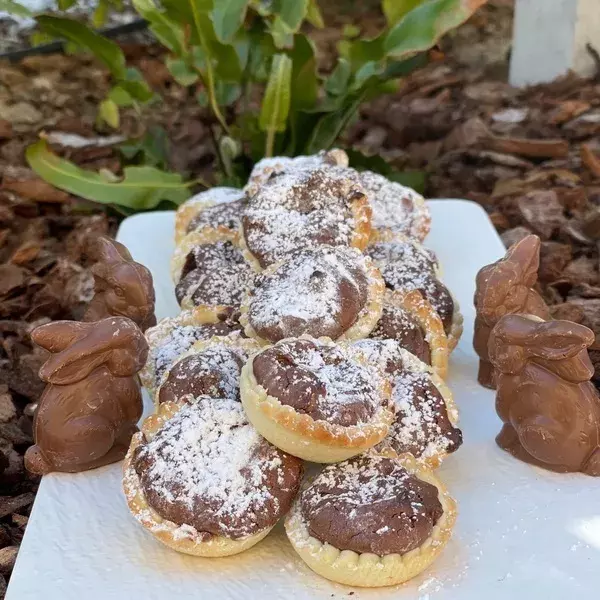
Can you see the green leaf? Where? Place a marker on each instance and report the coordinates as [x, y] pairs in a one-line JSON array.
[[14, 8], [394, 10], [182, 73], [305, 85], [108, 111], [227, 93], [277, 98], [151, 149], [292, 12], [337, 82], [331, 125], [100, 14], [283, 34], [141, 188], [314, 16], [66, 4], [120, 97], [168, 31], [227, 17], [422, 27], [103, 49], [349, 30], [360, 52]]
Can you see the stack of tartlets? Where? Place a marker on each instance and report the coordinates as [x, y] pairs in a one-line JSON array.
[[314, 327]]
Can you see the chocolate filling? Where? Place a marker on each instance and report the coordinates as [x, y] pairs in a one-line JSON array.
[[214, 372], [226, 215], [214, 274], [406, 267], [398, 324], [298, 209], [319, 292], [182, 337], [371, 504], [422, 426], [319, 380], [209, 469]]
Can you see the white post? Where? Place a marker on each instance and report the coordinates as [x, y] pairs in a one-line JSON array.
[[550, 37]]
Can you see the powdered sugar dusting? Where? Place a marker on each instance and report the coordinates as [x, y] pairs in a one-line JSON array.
[[264, 168], [214, 274], [209, 455], [216, 195], [395, 206], [417, 426], [309, 290], [179, 340], [301, 208]]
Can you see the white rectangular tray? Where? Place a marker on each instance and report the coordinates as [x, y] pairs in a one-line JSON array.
[[522, 532]]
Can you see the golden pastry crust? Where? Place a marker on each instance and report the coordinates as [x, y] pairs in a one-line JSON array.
[[366, 569], [413, 364], [183, 539], [365, 323], [429, 321], [301, 435], [155, 336], [456, 328], [200, 238], [361, 210], [188, 210], [246, 345]]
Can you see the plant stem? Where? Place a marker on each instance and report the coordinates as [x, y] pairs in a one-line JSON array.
[[270, 142], [210, 80]]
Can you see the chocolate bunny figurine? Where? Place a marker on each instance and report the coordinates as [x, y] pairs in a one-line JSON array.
[[92, 403], [550, 409], [505, 288], [123, 287]]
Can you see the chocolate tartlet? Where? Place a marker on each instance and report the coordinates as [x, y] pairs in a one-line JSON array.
[[426, 416], [372, 520], [396, 208], [410, 320], [325, 291], [302, 208], [405, 266], [218, 208], [173, 337], [316, 400], [203, 481], [210, 368], [210, 271], [267, 167], [398, 324]]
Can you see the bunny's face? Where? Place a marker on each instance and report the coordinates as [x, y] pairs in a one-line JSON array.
[[509, 359], [129, 292]]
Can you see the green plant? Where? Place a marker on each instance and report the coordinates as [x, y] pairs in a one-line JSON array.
[[234, 51]]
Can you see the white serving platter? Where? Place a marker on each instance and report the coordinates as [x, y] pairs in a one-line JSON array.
[[522, 533]]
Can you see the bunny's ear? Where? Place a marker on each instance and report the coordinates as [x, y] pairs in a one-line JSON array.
[[558, 340], [57, 336], [525, 256], [110, 341], [111, 251]]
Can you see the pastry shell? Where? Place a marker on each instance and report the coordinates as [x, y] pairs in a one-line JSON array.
[[188, 210], [371, 570], [196, 316], [235, 342], [301, 435], [361, 212], [419, 232], [184, 538], [429, 321], [417, 366], [200, 238], [367, 318]]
